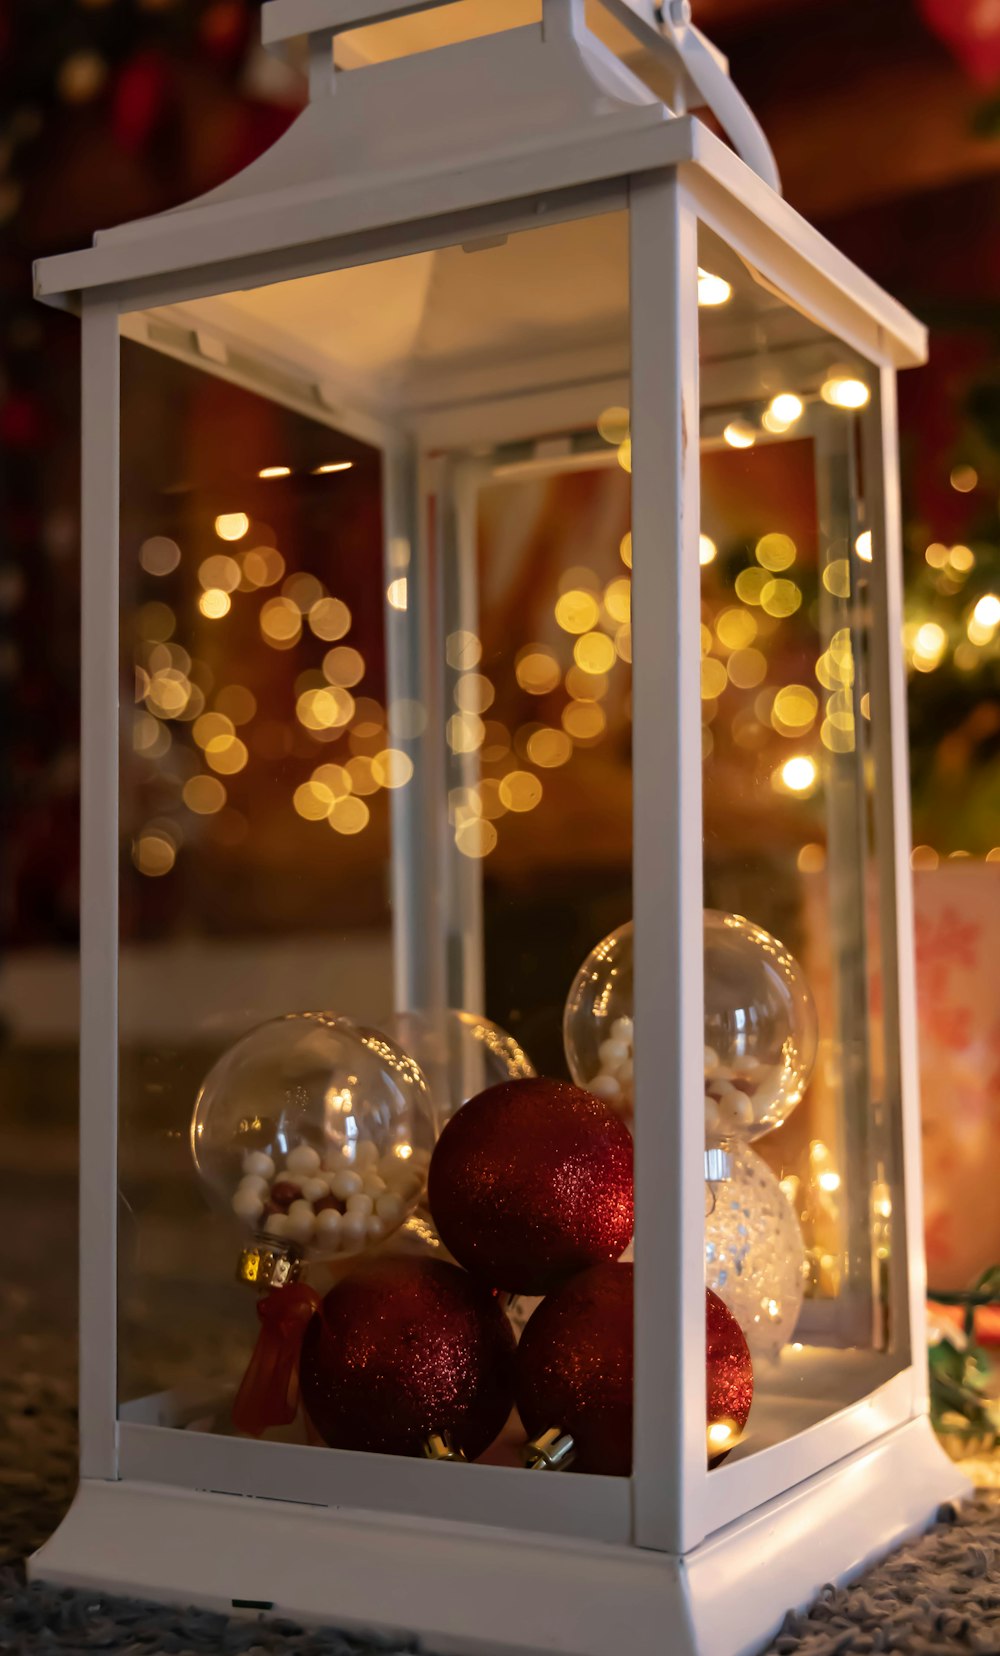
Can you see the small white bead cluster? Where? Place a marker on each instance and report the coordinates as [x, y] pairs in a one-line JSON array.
[[613, 1081], [339, 1202], [728, 1092], [728, 1100]]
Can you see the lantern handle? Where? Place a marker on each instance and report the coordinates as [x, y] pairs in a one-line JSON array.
[[667, 31]]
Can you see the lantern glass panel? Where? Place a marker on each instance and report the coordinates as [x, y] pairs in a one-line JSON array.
[[381, 509], [252, 600], [804, 1237]]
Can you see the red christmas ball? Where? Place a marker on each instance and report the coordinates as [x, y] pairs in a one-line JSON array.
[[530, 1182], [729, 1375], [574, 1368], [404, 1348]]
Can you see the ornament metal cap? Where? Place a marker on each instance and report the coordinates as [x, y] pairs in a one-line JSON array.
[[551, 1451], [439, 1447], [718, 1164], [268, 1263]]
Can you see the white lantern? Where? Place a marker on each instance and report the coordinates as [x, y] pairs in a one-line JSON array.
[[495, 251]]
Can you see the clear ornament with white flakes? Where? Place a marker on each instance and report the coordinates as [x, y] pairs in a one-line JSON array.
[[316, 1134], [760, 1027], [755, 1258]]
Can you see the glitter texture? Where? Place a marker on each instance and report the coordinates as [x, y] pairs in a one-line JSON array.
[[403, 1348], [574, 1368], [530, 1182], [755, 1258], [729, 1371]]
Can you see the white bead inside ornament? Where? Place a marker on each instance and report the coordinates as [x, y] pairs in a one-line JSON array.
[[307, 1117], [760, 1027]]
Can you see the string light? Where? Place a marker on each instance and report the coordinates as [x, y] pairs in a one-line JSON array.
[[275, 471], [332, 466]]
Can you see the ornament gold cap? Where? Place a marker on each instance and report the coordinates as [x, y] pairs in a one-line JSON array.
[[551, 1451], [439, 1447], [268, 1263]]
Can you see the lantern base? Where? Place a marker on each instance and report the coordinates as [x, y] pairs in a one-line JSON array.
[[477, 1591]]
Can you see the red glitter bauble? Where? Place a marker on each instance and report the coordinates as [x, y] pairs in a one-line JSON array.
[[729, 1372], [574, 1368], [402, 1349], [530, 1182]]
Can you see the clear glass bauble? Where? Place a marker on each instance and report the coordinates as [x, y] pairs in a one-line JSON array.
[[760, 1027], [459, 1053], [755, 1258], [315, 1132]]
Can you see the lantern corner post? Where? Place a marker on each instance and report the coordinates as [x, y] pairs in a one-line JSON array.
[[670, 1477]]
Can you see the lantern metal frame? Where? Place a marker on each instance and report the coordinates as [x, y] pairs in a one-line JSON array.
[[484, 1558]]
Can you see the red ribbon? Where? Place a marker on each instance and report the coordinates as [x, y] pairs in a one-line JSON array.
[[269, 1391]]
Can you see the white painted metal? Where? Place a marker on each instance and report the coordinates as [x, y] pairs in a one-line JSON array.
[[892, 806], [669, 1476], [474, 1590], [99, 738]]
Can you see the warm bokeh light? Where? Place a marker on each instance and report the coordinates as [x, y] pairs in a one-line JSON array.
[[396, 593], [837, 578], [783, 411], [275, 471], [329, 618], [800, 774], [475, 837], [863, 546], [473, 693], [844, 391], [215, 603], [520, 790], [226, 754], [964, 478], [594, 653], [280, 623], [618, 599], [780, 598], [349, 816], [924, 856], [462, 650], [329, 708], [549, 748], [537, 670], [332, 466], [987, 610], [392, 768], [929, 644], [159, 555], [344, 666], [735, 628], [714, 678], [625, 550], [739, 434], [811, 859], [775, 552], [794, 709], [465, 732], [750, 583], [613, 425], [584, 721], [746, 668], [231, 526], [707, 550], [578, 611], [713, 290], [153, 854], [204, 795]]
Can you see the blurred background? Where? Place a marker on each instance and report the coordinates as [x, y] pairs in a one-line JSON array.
[[885, 120]]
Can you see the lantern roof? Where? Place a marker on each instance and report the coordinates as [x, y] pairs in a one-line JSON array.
[[423, 117]]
